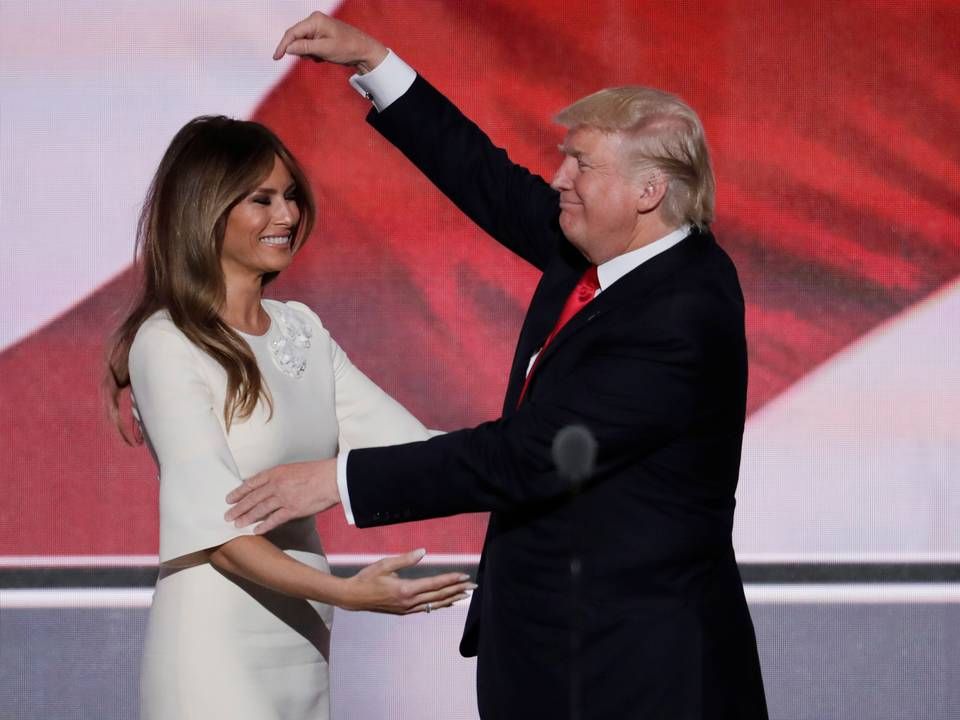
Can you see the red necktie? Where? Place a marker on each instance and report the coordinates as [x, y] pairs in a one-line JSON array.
[[581, 294]]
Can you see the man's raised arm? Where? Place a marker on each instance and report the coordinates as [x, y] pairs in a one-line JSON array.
[[517, 208]]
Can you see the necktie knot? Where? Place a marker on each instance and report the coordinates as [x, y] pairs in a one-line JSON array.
[[588, 285]]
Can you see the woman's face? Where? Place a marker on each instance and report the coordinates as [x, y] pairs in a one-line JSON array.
[[261, 227]]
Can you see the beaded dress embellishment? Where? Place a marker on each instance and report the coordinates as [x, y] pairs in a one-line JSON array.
[[289, 349]]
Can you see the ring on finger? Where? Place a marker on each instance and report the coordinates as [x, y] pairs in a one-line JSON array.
[[428, 608]]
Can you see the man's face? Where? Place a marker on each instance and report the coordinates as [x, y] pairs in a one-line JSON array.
[[599, 210]]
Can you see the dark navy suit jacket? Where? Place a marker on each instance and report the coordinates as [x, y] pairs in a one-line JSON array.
[[656, 368]]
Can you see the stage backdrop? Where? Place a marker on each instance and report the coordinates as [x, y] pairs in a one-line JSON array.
[[833, 128], [833, 131]]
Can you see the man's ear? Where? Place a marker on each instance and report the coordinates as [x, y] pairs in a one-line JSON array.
[[652, 191]]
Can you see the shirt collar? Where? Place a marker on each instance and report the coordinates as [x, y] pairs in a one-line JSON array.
[[615, 268]]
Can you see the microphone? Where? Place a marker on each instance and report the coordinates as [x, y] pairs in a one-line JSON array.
[[574, 452]]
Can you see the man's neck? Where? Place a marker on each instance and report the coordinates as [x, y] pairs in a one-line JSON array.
[[615, 268], [648, 232]]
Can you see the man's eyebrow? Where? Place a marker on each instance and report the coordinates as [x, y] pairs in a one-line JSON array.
[[572, 152]]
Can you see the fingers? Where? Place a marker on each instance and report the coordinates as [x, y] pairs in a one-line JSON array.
[[305, 47], [398, 562], [445, 593], [422, 607], [281, 48], [436, 582], [276, 519], [247, 511], [437, 592], [249, 484], [303, 29], [261, 511]]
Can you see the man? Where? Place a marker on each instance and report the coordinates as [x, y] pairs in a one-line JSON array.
[[620, 598]]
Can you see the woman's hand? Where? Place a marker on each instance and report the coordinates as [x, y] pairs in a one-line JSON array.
[[323, 38], [377, 588]]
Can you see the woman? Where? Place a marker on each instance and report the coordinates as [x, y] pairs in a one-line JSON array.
[[225, 384]]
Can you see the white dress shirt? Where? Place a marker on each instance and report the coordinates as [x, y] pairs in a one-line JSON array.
[[615, 268], [382, 86]]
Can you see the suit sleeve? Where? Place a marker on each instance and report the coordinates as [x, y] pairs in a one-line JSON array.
[[178, 414], [633, 396], [516, 207]]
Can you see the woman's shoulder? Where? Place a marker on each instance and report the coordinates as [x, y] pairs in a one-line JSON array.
[[158, 334], [156, 325]]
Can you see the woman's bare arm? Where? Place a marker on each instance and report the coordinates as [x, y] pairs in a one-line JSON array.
[[375, 588]]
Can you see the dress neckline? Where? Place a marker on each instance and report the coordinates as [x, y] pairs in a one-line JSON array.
[[266, 332]]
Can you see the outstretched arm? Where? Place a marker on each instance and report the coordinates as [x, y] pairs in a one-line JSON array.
[[635, 397], [501, 465], [178, 414], [375, 588]]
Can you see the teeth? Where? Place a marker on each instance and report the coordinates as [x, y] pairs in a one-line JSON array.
[[275, 240]]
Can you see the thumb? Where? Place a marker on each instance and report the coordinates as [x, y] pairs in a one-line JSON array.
[[398, 562]]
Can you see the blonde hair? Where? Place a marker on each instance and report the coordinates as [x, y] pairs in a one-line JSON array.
[[212, 163], [662, 133]]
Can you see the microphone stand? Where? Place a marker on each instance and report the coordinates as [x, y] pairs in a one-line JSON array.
[[574, 452]]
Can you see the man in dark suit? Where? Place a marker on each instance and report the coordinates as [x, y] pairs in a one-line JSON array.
[[619, 598]]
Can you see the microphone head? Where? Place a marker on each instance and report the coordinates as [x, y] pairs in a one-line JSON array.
[[574, 452]]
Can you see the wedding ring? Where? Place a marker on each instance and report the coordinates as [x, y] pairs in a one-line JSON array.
[[429, 607]]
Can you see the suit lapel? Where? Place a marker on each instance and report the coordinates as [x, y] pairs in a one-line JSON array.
[[628, 290], [559, 281], [545, 307]]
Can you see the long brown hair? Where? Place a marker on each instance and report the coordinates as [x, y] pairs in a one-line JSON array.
[[212, 163]]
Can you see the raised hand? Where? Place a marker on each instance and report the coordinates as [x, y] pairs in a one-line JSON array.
[[283, 493], [377, 588], [323, 38]]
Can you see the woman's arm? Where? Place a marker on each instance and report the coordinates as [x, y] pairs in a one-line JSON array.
[[178, 413], [367, 416], [375, 588], [179, 416]]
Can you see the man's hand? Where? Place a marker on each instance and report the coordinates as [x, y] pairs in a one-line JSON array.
[[322, 38], [284, 493]]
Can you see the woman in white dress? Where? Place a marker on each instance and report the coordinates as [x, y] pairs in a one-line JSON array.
[[225, 384]]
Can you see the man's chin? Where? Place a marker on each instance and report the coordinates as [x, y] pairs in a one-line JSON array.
[[568, 226]]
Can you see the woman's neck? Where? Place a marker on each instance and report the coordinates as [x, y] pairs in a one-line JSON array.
[[241, 309]]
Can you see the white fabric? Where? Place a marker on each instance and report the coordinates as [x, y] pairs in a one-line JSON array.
[[386, 82], [342, 458], [615, 268], [217, 646]]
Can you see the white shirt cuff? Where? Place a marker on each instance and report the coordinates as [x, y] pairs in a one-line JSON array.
[[342, 485], [386, 82]]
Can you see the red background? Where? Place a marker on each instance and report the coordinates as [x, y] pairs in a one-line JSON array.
[[833, 131]]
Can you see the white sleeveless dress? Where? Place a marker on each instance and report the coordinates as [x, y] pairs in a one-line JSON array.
[[218, 646]]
